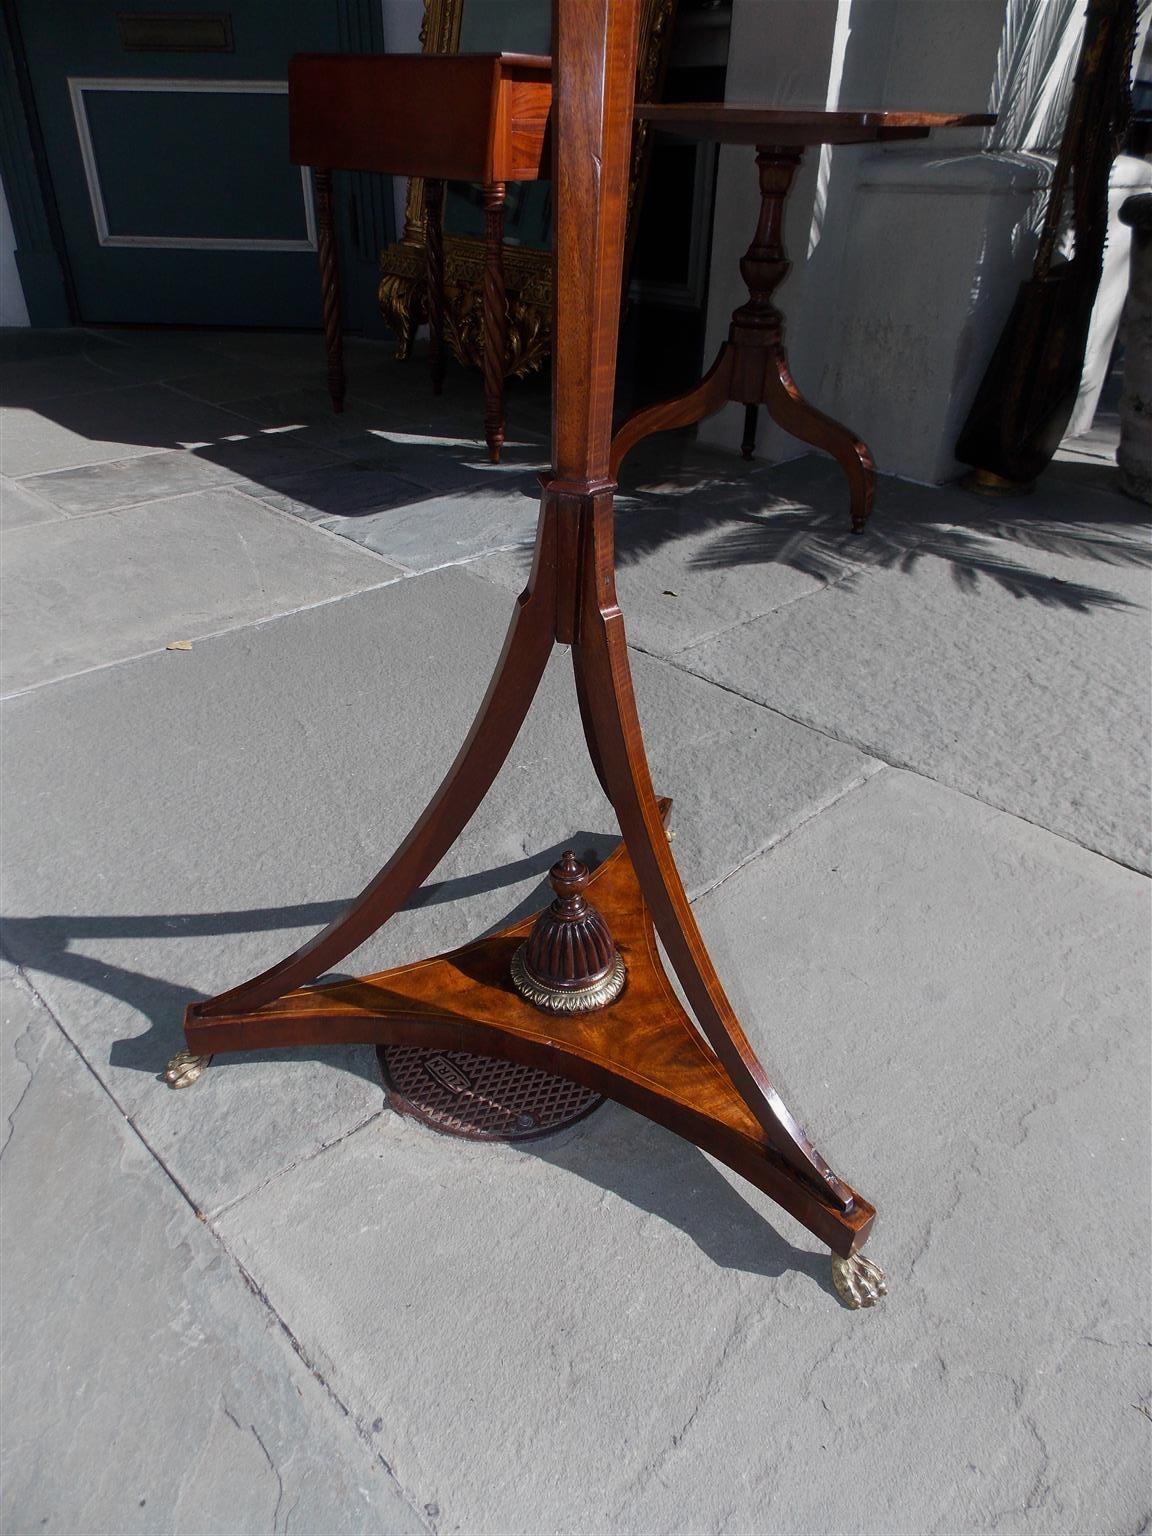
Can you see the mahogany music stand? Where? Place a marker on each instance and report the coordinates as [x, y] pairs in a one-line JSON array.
[[542, 994]]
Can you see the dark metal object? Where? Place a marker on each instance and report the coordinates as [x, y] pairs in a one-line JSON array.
[[1027, 394], [480, 1098], [569, 963], [200, 32]]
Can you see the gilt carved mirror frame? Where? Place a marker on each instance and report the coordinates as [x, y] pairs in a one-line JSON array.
[[527, 270]]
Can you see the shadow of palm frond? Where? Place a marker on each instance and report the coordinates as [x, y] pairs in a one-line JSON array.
[[817, 545], [646, 522], [1055, 539]]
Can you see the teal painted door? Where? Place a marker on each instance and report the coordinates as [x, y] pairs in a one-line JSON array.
[[166, 136]]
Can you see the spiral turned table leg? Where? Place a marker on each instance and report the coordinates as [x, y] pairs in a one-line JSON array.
[[330, 286], [495, 318], [434, 251]]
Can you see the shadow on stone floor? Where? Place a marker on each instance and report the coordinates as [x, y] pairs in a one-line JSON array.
[[755, 525], [395, 448], [44, 944], [672, 1180], [912, 523], [815, 544], [614, 1149], [253, 405]]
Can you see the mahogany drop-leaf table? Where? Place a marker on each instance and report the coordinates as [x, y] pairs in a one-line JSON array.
[[550, 993], [479, 117]]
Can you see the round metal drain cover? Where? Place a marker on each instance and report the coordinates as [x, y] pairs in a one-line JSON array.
[[479, 1097]]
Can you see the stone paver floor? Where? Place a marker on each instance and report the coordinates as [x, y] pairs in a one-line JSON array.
[[911, 784]]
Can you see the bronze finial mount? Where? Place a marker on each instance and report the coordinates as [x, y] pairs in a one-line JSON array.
[[569, 963]]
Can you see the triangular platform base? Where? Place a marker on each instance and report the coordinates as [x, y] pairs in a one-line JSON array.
[[643, 1050]]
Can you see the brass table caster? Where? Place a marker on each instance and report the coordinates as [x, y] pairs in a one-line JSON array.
[[858, 1281], [983, 482], [184, 1069]]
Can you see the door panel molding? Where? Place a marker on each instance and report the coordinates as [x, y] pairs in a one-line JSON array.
[[41, 258], [79, 84]]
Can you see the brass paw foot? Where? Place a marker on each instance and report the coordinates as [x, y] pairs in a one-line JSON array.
[[184, 1069], [858, 1281]]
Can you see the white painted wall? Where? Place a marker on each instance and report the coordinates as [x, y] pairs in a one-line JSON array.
[[906, 258], [13, 310]]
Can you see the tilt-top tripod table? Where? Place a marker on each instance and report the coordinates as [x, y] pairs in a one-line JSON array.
[[752, 368], [582, 991]]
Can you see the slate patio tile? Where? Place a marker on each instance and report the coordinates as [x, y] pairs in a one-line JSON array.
[[1013, 667], [310, 405], [438, 462], [443, 530], [141, 357], [27, 383], [123, 482], [85, 591], [161, 351], [21, 506], [671, 596], [338, 490], [293, 353], [32, 344], [224, 379], [73, 430], [656, 1347], [146, 1387], [263, 777]]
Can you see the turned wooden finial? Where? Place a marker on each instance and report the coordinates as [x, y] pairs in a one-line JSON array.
[[569, 963]]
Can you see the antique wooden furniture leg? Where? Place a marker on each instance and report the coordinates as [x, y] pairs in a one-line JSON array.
[[712, 392], [637, 1044], [748, 441], [330, 286], [752, 368], [495, 318], [434, 246]]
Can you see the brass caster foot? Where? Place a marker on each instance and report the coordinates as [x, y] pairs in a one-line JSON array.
[[858, 1281], [983, 482], [184, 1069]]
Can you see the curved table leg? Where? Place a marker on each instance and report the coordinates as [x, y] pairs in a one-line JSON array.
[[706, 399], [787, 406], [605, 678], [587, 720], [748, 442], [510, 693]]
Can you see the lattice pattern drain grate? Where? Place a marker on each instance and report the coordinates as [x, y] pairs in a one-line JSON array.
[[480, 1097]]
